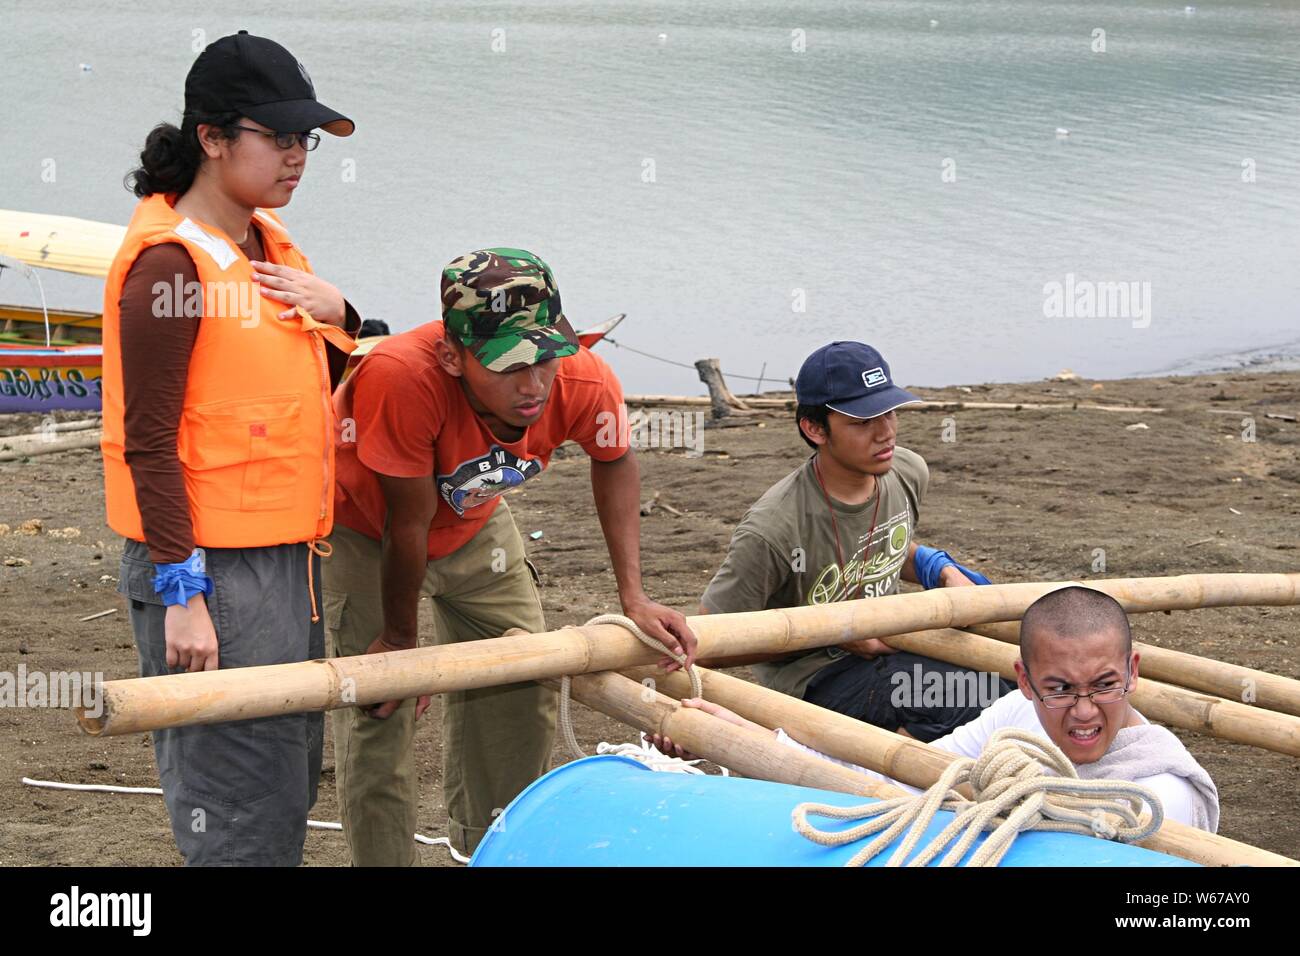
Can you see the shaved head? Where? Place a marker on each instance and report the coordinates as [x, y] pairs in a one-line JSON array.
[[1071, 613]]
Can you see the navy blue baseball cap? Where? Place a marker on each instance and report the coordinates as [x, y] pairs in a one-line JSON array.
[[852, 379]]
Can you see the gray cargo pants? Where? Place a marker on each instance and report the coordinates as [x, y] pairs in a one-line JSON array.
[[238, 793]]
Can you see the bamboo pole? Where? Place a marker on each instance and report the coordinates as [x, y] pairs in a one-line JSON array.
[[746, 751], [1230, 681], [1039, 406], [900, 758], [757, 754], [1176, 706], [175, 700], [694, 400], [936, 405], [1184, 592]]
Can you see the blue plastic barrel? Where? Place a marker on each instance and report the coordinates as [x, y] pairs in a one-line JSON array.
[[613, 811]]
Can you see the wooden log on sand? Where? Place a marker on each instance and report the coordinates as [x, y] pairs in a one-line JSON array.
[[721, 399], [757, 754], [940, 406], [691, 401], [17, 447], [958, 406], [1230, 681], [174, 700], [79, 425]]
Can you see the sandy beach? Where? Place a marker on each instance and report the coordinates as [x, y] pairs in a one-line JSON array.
[[1019, 494]]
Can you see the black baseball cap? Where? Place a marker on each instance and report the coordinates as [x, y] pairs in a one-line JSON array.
[[262, 80], [852, 379]]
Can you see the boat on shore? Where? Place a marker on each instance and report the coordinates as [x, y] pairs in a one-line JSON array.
[[37, 378], [62, 243], [52, 359], [25, 325]]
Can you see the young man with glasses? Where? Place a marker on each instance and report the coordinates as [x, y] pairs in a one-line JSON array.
[[1076, 672]]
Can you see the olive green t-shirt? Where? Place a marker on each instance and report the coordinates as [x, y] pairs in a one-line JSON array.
[[782, 554]]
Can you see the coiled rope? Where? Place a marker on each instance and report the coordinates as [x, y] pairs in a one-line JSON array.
[[1011, 786], [645, 754]]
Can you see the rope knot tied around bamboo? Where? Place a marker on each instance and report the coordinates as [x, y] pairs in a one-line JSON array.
[[566, 682], [1020, 782]]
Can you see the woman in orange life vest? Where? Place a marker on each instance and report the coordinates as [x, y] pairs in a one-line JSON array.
[[221, 349]]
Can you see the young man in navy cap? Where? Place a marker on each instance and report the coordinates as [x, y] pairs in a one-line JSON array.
[[843, 526]]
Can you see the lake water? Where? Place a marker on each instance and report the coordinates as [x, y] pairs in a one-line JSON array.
[[749, 180]]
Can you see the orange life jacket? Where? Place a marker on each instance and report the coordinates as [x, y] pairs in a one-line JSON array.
[[256, 435]]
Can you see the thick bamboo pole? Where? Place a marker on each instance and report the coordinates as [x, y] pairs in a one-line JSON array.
[[1163, 702], [174, 700], [1231, 681], [746, 751], [757, 754], [1182, 592], [900, 758]]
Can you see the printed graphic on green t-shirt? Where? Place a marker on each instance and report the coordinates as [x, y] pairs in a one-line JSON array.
[[871, 570], [783, 553]]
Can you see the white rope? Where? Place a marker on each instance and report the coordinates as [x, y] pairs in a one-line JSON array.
[[646, 753], [565, 721], [34, 275], [157, 791], [437, 841], [90, 787], [1011, 787]]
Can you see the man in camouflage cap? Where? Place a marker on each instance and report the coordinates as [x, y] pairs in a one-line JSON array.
[[503, 305], [443, 420]]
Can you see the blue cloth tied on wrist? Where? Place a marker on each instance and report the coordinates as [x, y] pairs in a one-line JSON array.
[[930, 563], [177, 583]]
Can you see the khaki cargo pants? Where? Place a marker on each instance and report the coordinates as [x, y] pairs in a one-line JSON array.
[[496, 740]]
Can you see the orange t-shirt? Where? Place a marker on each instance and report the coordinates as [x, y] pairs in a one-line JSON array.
[[401, 415]]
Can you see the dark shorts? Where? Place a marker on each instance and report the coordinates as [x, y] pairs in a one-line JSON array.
[[238, 792], [927, 698]]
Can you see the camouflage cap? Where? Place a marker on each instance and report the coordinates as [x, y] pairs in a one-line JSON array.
[[503, 305]]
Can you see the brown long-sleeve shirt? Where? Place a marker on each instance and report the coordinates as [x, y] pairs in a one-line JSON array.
[[155, 367]]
